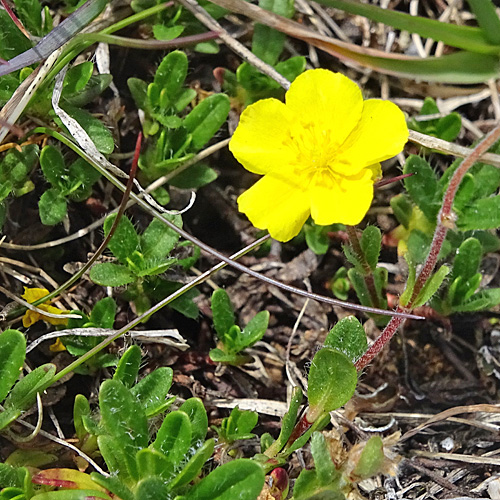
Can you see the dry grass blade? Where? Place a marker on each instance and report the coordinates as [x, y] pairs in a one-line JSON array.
[[485, 408]]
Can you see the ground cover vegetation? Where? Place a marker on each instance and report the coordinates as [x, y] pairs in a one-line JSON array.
[[249, 250]]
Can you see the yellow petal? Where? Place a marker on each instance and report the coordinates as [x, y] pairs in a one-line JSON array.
[[380, 134], [276, 205], [33, 294], [260, 141], [53, 310], [330, 102], [341, 200], [30, 318], [57, 346]]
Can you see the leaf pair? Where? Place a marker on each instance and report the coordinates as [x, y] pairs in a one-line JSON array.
[[233, 340], [139, 256]]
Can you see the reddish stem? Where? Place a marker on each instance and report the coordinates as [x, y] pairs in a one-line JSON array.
[[445, 220], [298, 430]]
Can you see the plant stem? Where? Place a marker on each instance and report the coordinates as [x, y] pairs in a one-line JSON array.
[[368, 273], [445, 220]]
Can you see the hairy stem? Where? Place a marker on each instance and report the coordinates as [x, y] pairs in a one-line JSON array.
[[445, 220]]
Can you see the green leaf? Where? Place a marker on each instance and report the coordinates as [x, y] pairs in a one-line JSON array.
[[77, 77], [174, 437], [487, 18], [255, 330], [241, 478], [268, 43], [139, 90], [206, 119], [467, 259], [422, 186], [222, 310], [371, 459], [53, 166], [118, 461], [151, 391], [371, 240], [193, 467], [485, 299], [431, 286], [100, 135], [12, 354], [228, 358], [197, 414], [103, 313], [109, 274], [162, 32], [153, 463], [287, 424], [52, 207], [12, 41], [239, 424], [151, 488], [30, 14], [325, 468], [482, 214], [161, 288], [448, 127], [113, 484], [125, 240], [171, 74], [8, 85], [339, 284], [194, 177], [124, 421], [24, 393], [158, 240], [81, 408], [94, 88], [317, 238], [464, 37], [8, 416], [332, 381], [209, 47], [82, 177], [291, 68], [348, 336], [128, 366]]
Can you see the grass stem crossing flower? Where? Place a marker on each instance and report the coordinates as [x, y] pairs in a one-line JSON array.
[[30, 317], [319, 153]]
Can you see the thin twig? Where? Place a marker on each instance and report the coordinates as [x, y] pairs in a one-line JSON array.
[[451, 148]]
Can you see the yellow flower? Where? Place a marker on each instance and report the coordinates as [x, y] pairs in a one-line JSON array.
[[30, 317], [320, 153]]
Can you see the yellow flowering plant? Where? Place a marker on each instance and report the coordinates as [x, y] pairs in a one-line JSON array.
[[319, 153], [31, 317]]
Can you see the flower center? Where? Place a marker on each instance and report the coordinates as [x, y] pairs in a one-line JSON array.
[[315, 152]]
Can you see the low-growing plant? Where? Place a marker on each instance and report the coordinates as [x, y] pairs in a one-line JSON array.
[[141, 258], [175, 136], [248, 84], [153, 455], [232, 339], [102, 316]]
